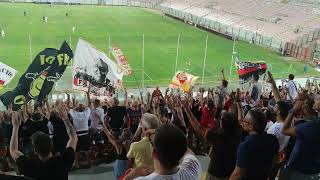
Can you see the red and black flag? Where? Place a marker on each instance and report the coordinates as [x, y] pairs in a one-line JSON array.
[[246, 70]]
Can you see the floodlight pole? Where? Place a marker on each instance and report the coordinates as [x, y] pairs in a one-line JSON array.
[[204, 60], [109, 46], [142, 63], [30, 48], [177, 56], [232, 58]]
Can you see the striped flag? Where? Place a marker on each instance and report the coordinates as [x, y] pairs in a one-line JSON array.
[[246, 70]]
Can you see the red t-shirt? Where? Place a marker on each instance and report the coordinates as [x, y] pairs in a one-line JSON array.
[[208, 118], [228, 104], [156, 93]]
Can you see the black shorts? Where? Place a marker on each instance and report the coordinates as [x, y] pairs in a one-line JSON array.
[[84, 143], [97, 136]]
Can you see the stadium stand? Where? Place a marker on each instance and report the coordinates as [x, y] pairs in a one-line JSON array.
[[270, 23], [274, 19]]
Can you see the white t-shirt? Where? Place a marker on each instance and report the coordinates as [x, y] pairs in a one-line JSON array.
[[190, 169], [276, 129], [293, 89], [94, 120], [269, 124], [81, 120]]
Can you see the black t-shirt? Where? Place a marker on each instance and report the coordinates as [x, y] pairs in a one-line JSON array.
[[116, 115], [256, 155], [60, 135], [7, 177], [196, 112], [5, 133], [223, 154], [55, 168], [30, 127], [134, 119]]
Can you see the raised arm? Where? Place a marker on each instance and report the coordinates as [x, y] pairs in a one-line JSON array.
[[126, 104], [166, 95], [201, 97], [179, 112], [210, 94], [274, 87], [288, 128], [193, 121], [24, 110], [47, 108], [111, 138], [222, 72], [69, 101], [316, 86], [14, 150], [73, 138], [141, 96], [137, 134], [288, 94], [239, 108], [88, 97]]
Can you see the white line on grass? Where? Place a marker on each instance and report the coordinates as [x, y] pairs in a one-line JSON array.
[[148, 76]]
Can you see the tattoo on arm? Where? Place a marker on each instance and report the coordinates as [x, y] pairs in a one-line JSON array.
[[70, 129]]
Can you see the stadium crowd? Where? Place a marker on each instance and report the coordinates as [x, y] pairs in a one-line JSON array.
[[249, 135]]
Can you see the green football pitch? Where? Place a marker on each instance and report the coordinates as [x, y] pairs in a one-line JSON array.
[[125, 27]]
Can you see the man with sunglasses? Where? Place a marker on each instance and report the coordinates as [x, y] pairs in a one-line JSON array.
[[169, 146], [255, 155]]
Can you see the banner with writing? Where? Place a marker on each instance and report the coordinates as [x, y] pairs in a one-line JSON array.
[[38, 80], [122, 60], [7, 73]]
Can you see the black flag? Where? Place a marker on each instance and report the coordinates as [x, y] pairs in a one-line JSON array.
[[56, 70], [37, 82]]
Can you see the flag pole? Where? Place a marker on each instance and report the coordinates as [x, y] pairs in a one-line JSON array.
[[136, 81], [142, 62], [70, 41], [177, 56], [30, 48], [232, 58], [204, 60], [109, 46]]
